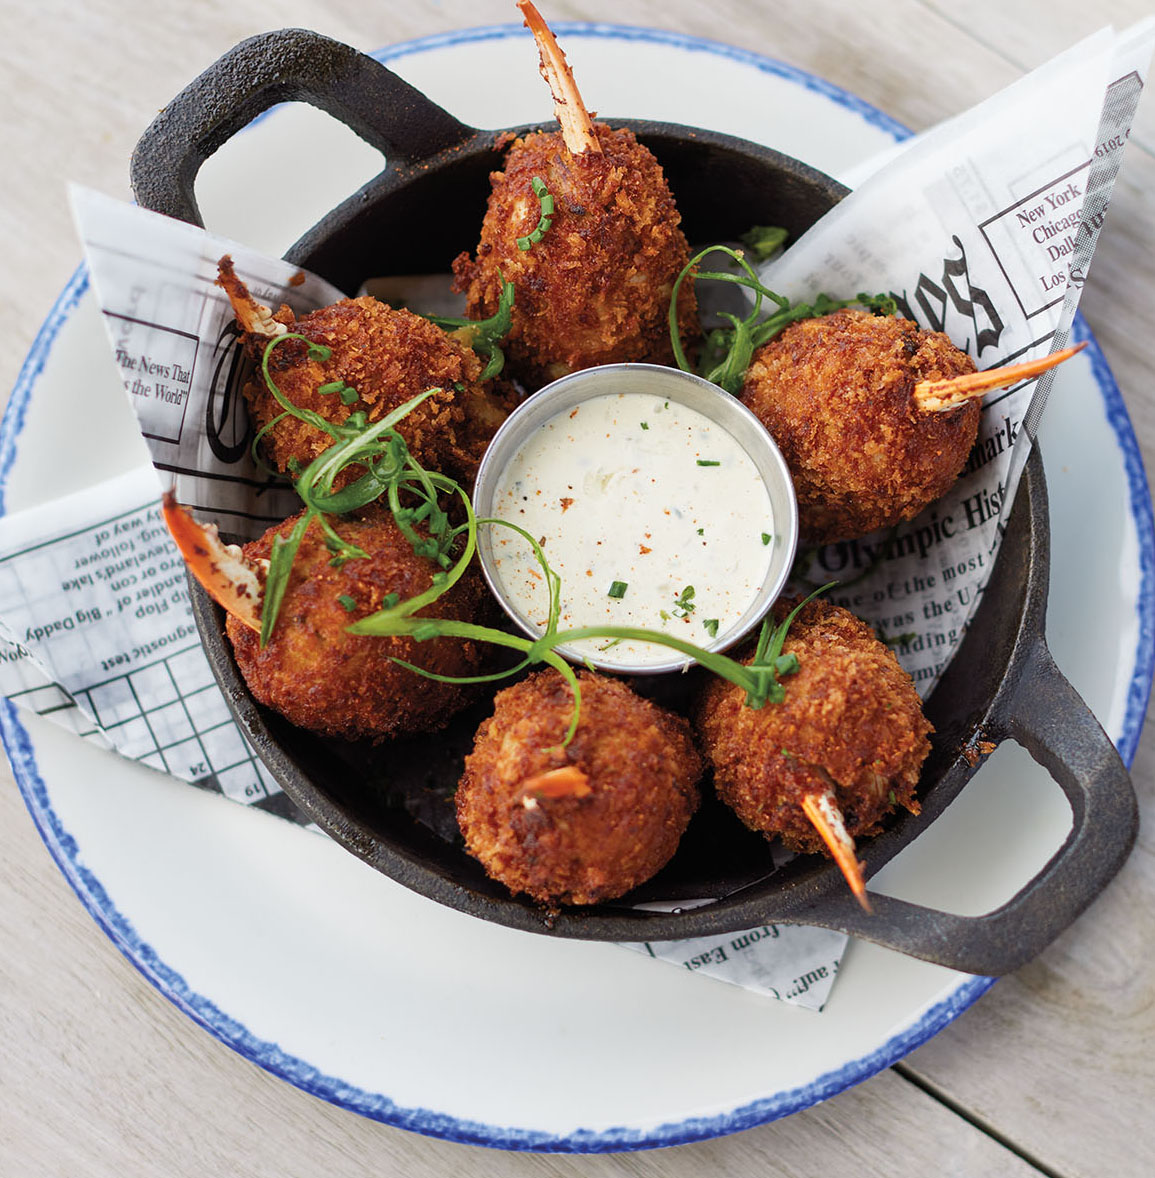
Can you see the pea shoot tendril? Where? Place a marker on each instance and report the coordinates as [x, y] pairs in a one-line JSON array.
[[727, 351], [417, 500], [483, 335]]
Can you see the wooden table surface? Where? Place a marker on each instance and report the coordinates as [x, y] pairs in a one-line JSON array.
[[1052, 1072]]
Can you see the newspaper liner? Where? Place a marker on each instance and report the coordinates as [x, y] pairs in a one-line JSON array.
[[984, 227]]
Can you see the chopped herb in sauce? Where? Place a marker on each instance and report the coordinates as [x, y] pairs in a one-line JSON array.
[[766, 537], [710, 625], [645, 425], [618, 589], [685, 602], [708, 462]]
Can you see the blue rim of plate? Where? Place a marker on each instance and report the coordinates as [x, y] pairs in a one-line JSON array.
[[375, 1106]]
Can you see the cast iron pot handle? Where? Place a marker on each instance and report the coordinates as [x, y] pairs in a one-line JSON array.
[[1047, 717], [282, 66]]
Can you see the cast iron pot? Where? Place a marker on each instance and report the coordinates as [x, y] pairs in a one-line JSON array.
[[392, 805]]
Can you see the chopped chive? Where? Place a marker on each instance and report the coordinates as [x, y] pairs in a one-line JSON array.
[[685, 602], [710, 625], [618, 589], [320, 352], [544, 222], [347, 602], [390, 600], [334, 386], [349, 395], [708, 462]]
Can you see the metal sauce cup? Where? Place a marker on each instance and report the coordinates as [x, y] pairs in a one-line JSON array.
[[669, 384]]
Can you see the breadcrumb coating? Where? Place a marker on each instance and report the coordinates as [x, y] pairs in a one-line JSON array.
[[596, 288], [835, 394], [324, 679], [593, 843], [388, 356]]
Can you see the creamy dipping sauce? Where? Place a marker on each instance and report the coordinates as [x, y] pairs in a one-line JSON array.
[[652, 515]]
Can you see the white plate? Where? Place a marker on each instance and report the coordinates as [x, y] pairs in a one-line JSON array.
[[309, 963]]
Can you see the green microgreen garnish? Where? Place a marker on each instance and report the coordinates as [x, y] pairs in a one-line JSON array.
[[727, 351], [415, 497], [763, 241], [544, 221], [710, 625], [483, 335], [768, 656], [387, 468]]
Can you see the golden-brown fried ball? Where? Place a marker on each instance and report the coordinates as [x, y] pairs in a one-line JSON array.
[[835, 394], [324, 679], [388, 356], [584, 823], [851, 722], [596, 288]]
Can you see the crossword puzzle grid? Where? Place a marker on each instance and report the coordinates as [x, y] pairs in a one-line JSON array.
[[170, 715]]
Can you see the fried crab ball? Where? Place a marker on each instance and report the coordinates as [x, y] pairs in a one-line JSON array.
[[847, 743], [324, 679], [836, 394], [583, 823], [593, 285], [380, 357], [596, 288]]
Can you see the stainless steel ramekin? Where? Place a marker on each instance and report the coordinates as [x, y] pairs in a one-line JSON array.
[[673, 385]]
